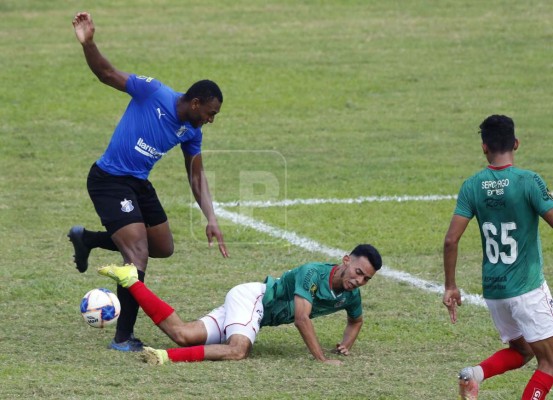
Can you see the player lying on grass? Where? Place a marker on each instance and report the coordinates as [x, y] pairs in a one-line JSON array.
[[229, 331], [507, 202]]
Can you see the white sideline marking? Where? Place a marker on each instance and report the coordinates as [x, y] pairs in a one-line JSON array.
[[311, 245], [358, 200]]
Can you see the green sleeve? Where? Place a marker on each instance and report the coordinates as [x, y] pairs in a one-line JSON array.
[[307, 282], [464, 207], [539, 195], [355, 310]]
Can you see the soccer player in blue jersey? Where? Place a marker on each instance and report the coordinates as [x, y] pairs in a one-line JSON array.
[[229, 331], [156, 119], [507, 202]]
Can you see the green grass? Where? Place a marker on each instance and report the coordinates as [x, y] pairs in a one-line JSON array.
[[330, 99]]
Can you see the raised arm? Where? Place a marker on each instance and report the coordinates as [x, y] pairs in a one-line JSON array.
[[307, 331], [99, 65], [353, 328], [452, 295], [200, 189]]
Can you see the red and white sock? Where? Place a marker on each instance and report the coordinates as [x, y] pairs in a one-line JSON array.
[[502, 361], [539, 385], [186, 354], [153, 306]]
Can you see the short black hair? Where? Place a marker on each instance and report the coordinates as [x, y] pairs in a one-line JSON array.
[[370, 252], [204, 90], [498, 133]]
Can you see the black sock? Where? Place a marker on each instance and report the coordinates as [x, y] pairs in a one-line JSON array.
[[98, 239], [129, 312]]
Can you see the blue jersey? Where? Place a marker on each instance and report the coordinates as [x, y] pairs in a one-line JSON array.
[[148, 129]]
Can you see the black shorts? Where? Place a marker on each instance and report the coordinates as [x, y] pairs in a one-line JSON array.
[[123, 200]]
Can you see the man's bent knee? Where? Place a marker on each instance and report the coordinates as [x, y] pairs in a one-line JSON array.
[[239, 347], [238, 353], [160, 241], [164, 251]]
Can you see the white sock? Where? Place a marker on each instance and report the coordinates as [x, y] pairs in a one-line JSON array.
[[478, 373]]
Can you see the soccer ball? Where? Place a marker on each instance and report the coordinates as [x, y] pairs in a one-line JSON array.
[[100, 308]]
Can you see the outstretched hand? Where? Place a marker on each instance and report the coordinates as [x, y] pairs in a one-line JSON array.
[[212, 230], [341, 349], [452, 299], [84, 27]]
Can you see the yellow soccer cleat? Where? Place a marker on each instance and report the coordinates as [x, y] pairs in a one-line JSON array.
[[155, 357], [125, 276]]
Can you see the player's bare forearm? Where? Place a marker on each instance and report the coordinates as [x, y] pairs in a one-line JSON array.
[[98, 64], [450, 264], [351, 332], [307, 332], [456, 229], [199, 185], [200, 190], [452, 295], [202, 195], [302, 309]]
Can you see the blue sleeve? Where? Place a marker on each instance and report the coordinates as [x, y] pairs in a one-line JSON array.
[[539, 194], [193, 145], [141, 87], [464, 207]]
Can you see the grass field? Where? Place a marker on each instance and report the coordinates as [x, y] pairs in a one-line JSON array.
[[336, 99]]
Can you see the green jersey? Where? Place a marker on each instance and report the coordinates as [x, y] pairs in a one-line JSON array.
[[312, 282], [507, 203]]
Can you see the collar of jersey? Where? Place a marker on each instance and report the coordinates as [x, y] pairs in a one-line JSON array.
[[499, 168], [330, 282]]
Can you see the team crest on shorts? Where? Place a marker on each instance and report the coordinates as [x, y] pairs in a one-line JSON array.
[[126, 206]]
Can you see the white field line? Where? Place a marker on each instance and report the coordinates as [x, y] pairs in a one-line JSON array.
[[313, 246], [358, 200]]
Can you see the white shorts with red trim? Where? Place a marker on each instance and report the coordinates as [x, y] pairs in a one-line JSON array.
[[241, 314], [529, 315]]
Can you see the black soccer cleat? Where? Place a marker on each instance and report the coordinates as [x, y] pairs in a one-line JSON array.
[[82, 252]]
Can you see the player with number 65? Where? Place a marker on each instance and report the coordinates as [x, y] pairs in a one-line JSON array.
[[507, 202]]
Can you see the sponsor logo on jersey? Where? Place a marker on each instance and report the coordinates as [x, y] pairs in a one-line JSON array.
[[495, 203], [181, 131], [545, 193], [307, 279], [495, 187], [313, 290], [159, 113], [143, 148], [126, 206]]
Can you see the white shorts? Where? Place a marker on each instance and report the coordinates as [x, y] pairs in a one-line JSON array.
[[241, 314], [529, 315]]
